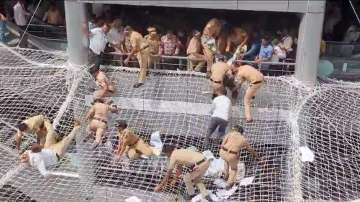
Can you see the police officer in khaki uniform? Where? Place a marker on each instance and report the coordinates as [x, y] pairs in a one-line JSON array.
[[230, 148], [38, 125], [98, 116], [106, 87], [153, 39], [221, 77], [208, 40], [194, 52], [195, 161], [131, 143], [237, 39], [255, 79], [140, 47]]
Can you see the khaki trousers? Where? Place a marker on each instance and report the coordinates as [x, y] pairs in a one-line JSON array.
[[138, 149], [249, 94], [194, 177], [61, 147], [231, 165], [143, 58]]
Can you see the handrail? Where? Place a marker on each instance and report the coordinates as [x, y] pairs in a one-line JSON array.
[[47, 26], [342, 43], [187, 58]]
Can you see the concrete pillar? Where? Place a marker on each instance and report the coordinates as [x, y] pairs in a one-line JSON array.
[[76, 20], [308, 50]]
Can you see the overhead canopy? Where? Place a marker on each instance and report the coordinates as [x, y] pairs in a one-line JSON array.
[[299, 6]]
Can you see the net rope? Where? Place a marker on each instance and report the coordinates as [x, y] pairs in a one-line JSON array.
[[287, 114]]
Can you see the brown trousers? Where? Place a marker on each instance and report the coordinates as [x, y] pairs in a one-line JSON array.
[[143, 58]]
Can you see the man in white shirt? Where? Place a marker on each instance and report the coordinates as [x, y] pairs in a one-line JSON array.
[[42, 157], [20, 15], [219, 114], [98, 41]]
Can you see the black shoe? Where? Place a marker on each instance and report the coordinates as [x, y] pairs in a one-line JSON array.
[[137, 85], [188, 197]]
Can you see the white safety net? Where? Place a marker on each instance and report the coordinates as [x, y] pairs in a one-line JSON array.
[[288, 118]]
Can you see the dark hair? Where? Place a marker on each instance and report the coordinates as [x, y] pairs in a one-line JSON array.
[[128, 28], [22, 127], [169, 32], [239, 129], [36, 148], [121, 124], [94, 69], [167, 149], [266, 37], [99, 100]]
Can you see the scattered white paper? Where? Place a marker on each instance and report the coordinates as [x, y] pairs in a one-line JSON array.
[[306, 154], [156, 143], [133, 199], [224, 194], [199, 198], [220, 183], [247, 181]]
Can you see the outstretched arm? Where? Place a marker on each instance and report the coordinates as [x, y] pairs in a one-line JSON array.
[[249, 148], [18, 138]]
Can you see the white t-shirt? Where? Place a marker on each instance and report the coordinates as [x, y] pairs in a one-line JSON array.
[[43, 159], [278, 54], [98, 40], [115, 36], [221, 107], [20, 15]]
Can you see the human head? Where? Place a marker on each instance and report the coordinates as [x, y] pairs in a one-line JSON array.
[[94, 69], [152, 31], [99, 100], [169, 33], [220, 91], [239, 129], [127, 30], [121, 125], [105, 28], [168, 149], [36, 148], [196, 33], [265, 41], [22, 127], [116, 24]]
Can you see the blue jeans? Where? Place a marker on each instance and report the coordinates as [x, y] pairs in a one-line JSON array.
[[2, 31]]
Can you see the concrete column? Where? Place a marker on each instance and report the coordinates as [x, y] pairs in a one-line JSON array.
[[76, 20], [307, 57]]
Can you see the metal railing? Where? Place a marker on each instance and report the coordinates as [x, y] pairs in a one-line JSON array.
[[286, 67], [341, 49], [48, 31]]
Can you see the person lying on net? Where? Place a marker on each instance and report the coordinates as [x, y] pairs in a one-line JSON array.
[[132, 144], [37, 125], [41, 157]]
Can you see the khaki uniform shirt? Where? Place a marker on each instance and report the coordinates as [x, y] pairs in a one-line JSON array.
[[194, 46], [154, 44], [137, 41], [218, 71], [184, 157], [234, 141], [34, 123], [127, 137], [249, 73]]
